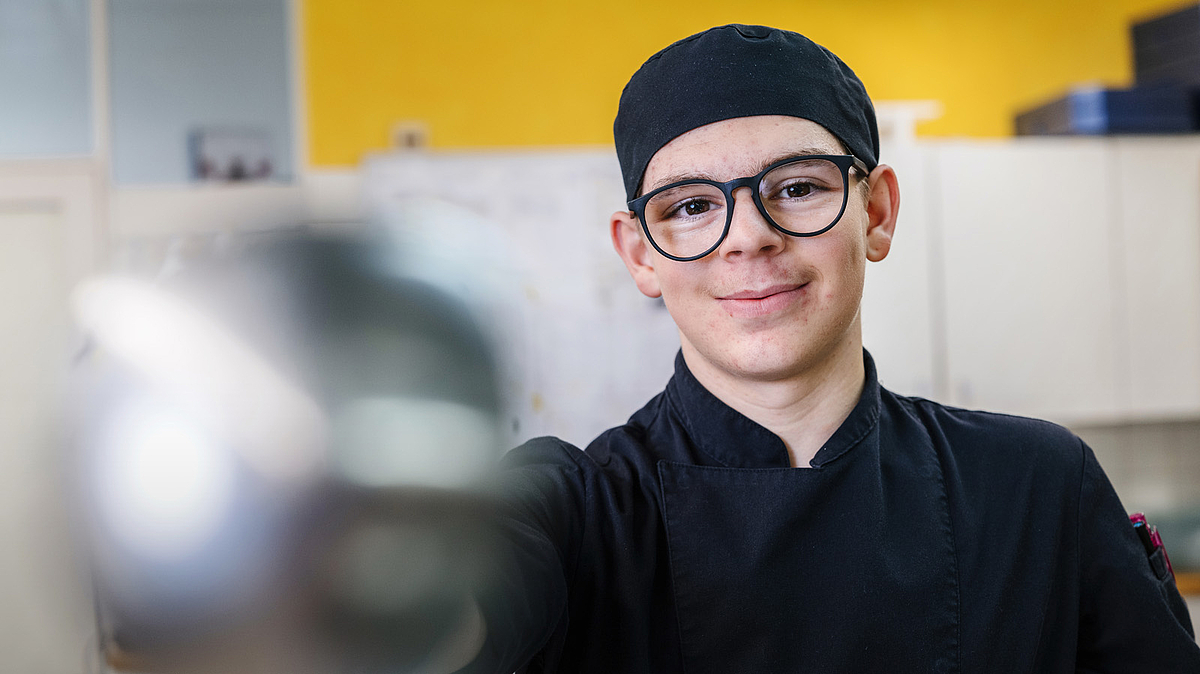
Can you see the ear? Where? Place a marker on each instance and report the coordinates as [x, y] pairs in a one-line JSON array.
[[635, 252], [882, 208]]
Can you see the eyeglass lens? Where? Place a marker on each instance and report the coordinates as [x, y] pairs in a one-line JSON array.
[[802, 197]]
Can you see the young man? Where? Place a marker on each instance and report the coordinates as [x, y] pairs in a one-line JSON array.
[[775, 509]]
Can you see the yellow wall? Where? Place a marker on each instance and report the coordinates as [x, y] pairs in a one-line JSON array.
[[542, 72]]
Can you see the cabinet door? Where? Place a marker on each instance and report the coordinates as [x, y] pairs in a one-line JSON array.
[[1025, 229], [47, 240], [896, 318], [1157, 191]]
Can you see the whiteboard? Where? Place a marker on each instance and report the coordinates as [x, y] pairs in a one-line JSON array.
[[583, 348]]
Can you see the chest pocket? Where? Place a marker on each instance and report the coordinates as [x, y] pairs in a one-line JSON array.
[[846, 569]]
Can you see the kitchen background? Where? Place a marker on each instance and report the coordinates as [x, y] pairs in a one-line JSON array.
[[1054, 275]]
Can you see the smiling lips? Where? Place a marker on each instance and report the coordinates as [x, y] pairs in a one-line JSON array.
[[755, 303]]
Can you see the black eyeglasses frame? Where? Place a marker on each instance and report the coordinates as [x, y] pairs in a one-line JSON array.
[[842, 161]]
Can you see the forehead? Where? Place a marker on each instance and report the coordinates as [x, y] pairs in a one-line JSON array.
[[737, 147]]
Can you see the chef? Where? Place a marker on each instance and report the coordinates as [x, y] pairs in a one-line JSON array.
[[775, 509]]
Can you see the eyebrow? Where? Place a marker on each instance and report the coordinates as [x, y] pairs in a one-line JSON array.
[[699, 175]]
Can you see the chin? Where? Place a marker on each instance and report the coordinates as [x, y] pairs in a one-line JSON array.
[[764, 363], [778, 356], [790, 347]]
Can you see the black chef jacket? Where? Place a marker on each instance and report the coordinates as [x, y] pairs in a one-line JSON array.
[[923, 538]]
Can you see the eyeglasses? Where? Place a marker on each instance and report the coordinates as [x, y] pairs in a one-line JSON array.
[[799, 196]]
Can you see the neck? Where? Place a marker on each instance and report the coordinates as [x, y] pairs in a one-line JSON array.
[[803, 408]]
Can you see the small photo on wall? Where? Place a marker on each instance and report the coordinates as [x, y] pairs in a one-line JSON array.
[[230, 154]]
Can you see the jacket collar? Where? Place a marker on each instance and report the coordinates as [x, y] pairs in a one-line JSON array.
[[731, 439]]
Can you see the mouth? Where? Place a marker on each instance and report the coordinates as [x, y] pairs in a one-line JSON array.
[[764, 293], [760, 302]]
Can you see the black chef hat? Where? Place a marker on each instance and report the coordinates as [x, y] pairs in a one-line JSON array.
[[739, 71]]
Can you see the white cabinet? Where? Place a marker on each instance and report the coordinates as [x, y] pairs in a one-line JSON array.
[[1026, 239], [1156, 183], [1070, 276], [897, 318], [49, 238]]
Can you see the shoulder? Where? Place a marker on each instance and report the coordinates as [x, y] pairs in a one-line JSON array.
[[612, 448], [543, 450], [545, 466], [652, 434], [619, 453], [618, 469], [990, 441], [984, 425], [1003, 475]]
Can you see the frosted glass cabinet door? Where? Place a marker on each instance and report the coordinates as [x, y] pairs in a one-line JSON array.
[[1025, 232], [47, 239], [1158, 189]]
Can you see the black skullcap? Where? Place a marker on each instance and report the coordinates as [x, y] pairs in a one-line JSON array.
[[739, 71]]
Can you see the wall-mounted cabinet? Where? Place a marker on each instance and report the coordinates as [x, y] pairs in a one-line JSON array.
[[898, 315], [1157, 258], [1070, 274]]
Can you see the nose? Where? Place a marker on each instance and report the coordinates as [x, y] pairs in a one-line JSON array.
[[749, 232]]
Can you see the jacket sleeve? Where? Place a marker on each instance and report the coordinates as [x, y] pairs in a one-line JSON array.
[[1132, 619], [540, 493]]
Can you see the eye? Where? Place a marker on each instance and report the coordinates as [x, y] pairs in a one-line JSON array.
[[690, 208], [686, 203], [797, 190]]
